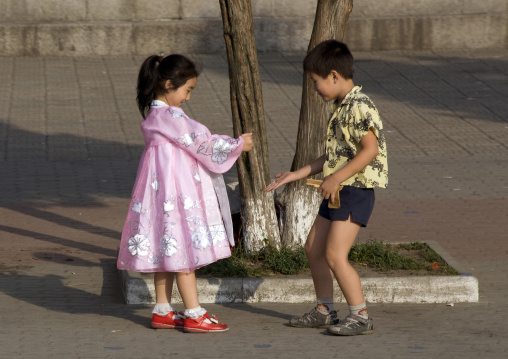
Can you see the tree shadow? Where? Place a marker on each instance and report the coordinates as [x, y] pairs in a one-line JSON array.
[[59, 240], [62, 220], [32, 174]]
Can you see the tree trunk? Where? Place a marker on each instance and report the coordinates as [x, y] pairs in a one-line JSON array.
[[300, 202], [259, 220]]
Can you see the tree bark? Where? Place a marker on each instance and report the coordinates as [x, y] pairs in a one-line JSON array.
[[259, 220], [300, 202]]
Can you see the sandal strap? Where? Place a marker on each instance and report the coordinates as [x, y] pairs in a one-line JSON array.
[[212, 318]]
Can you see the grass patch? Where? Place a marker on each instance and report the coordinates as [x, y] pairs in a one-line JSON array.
[[411, 257], [414, 258], [267, 262]]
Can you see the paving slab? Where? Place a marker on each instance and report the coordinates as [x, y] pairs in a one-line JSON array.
[[68, 157]]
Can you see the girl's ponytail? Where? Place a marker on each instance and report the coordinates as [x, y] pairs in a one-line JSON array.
[[148, 82], [154, 73]]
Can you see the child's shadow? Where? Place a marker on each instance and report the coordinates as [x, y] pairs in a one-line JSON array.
[[221, 298], [53, 293], [247, 307]]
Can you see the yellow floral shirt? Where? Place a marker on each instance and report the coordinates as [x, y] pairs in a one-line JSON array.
[[350, 120]]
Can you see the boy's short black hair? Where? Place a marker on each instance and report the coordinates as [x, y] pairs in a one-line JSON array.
[[327, 56]]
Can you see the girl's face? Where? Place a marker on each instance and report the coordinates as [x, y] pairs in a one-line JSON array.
[[181, 94]]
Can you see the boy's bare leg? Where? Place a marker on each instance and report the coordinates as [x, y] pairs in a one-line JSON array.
[[341, 237], [163, 282], [315, 248]]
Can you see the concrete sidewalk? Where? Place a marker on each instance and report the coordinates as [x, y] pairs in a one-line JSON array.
[[71, 143]]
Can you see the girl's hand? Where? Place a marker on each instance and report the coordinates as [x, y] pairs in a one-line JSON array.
[[280, 179], [329, 187], [247, 142]]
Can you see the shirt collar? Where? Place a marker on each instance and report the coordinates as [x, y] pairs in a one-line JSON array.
[[346, 101], [350, 95], [158, 104]]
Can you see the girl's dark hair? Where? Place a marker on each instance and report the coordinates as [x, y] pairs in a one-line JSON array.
[[327, 56], [154, 73]]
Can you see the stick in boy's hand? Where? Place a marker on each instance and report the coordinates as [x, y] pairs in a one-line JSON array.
[[317, 183]]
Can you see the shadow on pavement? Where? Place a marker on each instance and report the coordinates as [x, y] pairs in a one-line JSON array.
[[62, 294], [59, 240], [60, 220]]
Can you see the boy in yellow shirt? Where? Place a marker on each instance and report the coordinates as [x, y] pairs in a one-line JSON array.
[[356, 159]]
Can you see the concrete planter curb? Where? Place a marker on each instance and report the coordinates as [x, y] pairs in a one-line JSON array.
[[138, 288]]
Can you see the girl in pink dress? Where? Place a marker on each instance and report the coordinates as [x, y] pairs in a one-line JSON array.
[[179, 217]]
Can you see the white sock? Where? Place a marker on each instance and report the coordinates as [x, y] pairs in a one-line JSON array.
[[163, 309], [194, 312], [359, 310], [325, 305]]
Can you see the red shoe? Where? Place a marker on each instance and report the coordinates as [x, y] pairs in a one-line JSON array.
[[202, 325], [168, 321]]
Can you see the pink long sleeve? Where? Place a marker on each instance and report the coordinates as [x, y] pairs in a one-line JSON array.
[[217, 153]]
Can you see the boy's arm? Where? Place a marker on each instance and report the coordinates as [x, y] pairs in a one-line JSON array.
[[365, 156], [312, 168]]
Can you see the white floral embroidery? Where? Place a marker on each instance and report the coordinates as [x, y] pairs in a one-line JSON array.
[[136, 207], [155, 185], [218, 148], [152, 259], [169, 245], [201, 238], [139, 245], [188, 203], [187, 139], [169, 205], [196, 177], [175, 114], [221, 150], [193, 221], [218, 233]]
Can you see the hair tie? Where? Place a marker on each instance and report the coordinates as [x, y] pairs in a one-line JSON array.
[[159, 60]]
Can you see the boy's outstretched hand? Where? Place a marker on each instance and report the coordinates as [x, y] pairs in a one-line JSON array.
[[247, 142], [280, 179]]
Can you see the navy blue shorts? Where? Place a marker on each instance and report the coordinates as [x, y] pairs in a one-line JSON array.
[[357, 202]]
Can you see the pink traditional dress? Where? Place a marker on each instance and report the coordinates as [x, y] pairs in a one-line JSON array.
[[179, 217]]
